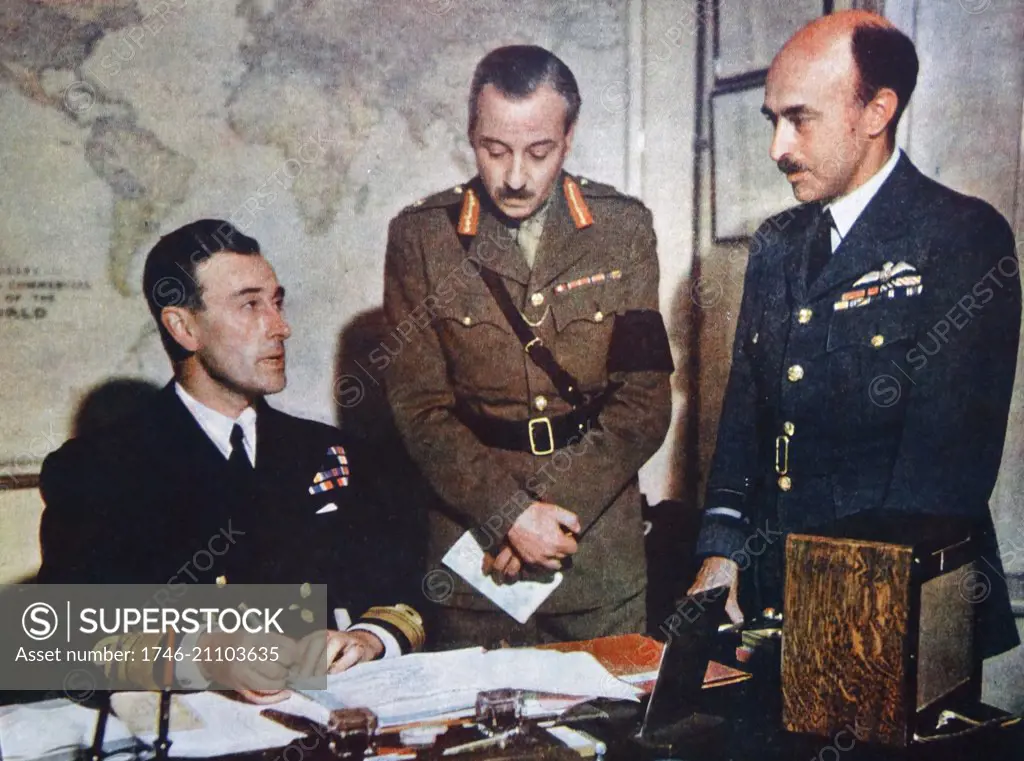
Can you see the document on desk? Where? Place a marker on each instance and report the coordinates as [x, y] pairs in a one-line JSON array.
[[520, 599], [209, 724], [57, 730], [431, 685]]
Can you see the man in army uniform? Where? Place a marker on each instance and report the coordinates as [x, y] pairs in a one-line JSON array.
[[535, 450], [876, 344]]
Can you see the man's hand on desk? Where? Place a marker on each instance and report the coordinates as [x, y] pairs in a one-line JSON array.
[[719, 572], [541, 535], [256, 681], [331, 652]]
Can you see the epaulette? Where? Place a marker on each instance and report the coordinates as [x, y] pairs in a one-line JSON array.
[[578, 190], [444, 199], [591, 189]]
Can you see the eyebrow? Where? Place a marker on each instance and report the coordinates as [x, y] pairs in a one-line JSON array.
[[278, 294], [495, 141], [545, 142], [789, 112]]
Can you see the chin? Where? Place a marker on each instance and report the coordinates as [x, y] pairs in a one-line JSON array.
[[274, 385], [805, 194]]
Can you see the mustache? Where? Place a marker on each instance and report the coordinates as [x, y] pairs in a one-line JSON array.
[[509, 194], [788, 166]]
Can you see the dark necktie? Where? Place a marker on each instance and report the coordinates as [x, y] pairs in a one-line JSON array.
[[821, 246], [239, 460]]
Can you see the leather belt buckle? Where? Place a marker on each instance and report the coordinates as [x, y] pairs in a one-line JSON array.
[[544, 425]]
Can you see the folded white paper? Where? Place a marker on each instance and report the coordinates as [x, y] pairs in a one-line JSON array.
[[519, 599]]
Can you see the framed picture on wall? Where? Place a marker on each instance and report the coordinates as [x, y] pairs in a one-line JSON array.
[[746, 185]]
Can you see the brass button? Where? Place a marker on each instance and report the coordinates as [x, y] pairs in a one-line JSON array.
[[540, 402], [458, 189], [804, 316], [467, 320], [584, 180], [537, 299], [418, 202], [598, 316], [878, 340], [794, 373], [221, 581], [785, 483], [788, 428]]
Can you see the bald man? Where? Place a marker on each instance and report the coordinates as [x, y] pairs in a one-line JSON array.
[[876, 344]]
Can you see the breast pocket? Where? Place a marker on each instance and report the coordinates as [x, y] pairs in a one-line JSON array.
[[481, 350], [866, 358], [582, 325]]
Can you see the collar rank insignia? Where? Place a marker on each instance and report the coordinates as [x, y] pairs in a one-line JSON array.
[[469, 214], [578, 209], [893, 281]]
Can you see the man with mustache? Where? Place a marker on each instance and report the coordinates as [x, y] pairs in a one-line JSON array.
[[876, 343], [536, 451], [209, 484]]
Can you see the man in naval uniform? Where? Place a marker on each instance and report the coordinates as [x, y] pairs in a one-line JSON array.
[[210, 484], [876, 342], [536, 450]]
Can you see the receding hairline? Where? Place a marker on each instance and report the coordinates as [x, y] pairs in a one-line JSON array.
[[821, 36]]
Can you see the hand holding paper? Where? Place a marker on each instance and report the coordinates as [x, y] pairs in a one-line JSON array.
[[519, 599], [539, 535]]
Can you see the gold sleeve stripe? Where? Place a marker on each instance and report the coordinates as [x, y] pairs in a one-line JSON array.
[[402, 617]]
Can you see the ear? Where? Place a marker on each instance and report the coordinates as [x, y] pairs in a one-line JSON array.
[[181, 324], [880, 111]]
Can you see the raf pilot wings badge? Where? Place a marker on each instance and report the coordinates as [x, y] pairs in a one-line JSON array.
[[893, 281]]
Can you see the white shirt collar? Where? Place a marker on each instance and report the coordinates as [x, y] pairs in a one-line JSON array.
[[218, 427], [848, 208]]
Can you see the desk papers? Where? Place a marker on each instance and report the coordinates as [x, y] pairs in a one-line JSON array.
[[210, 724], [429, 685], [54, 729]]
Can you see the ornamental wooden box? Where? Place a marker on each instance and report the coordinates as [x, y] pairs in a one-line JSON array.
[[879, 627]]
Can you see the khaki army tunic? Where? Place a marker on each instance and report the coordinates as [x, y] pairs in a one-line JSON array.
[[592, 297]]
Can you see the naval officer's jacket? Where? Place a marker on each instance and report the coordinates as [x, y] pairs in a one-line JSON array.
[[885, 384], [150, 499], [592, 296]]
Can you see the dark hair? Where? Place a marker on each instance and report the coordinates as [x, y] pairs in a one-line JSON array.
[[170, 277], [885, 57], [517, 71]]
